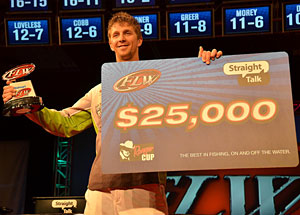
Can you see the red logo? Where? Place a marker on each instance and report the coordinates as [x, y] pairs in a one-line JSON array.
[[23, 92], [137, 80], [18, 72]]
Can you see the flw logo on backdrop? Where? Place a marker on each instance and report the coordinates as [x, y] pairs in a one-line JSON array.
[[136, 152], [251, 73], [137, 80]]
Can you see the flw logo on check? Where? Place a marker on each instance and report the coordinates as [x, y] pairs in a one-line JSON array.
[[137, 80], [249, 73]]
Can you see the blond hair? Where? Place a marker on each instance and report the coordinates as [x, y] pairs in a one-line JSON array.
[[123, 17]]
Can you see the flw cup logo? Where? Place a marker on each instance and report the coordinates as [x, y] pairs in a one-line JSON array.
[[23, 92], [136, 152], [18, 72], [249, 73], [137, 80]]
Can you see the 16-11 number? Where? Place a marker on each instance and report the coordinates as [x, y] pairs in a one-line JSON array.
[[75, 2], [201, 26], [92, 32]]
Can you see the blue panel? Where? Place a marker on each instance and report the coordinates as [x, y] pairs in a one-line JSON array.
[[149, 25], [247, 20], [23, 32], [81, 4], [292, 17], [76, 30], [28, 5], [190, 24], [134, 3]]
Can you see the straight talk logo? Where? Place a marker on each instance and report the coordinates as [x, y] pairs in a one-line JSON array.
[[66, 205], [250, 73]]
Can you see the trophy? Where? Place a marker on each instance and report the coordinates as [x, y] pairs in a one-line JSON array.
[[25, 100]]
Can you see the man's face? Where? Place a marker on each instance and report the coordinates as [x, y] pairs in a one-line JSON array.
[[124, 42]]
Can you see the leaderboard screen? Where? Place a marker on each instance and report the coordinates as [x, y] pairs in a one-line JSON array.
[[27, 32], [246, 20], [134, 3], [28, 5], [187, 1], [190, 24], [81, 30], [81, 4], [149, 25], [292, 17]]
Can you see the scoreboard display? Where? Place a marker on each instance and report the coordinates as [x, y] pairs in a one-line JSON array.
[[149, 25], [246, 20], [28, 5], [190, 24], [81, 29], [291, 17], [83, 21], [134, 3], [27, 32], [80, 4]]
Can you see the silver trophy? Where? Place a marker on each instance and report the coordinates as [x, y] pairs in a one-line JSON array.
[[25, 100]]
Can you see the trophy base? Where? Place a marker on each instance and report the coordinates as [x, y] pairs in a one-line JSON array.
[[18, 107]]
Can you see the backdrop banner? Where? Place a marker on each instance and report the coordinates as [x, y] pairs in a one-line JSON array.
[[181, 114]]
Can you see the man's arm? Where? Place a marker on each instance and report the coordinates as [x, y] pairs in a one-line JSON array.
[[66, 123]]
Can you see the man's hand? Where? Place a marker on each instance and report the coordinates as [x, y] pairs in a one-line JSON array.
[[209, 55], [8, 92]]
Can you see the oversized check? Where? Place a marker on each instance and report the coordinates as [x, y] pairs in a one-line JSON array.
[[181, 114]]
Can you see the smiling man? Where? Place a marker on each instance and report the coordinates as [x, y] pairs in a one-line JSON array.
[[109, 194], [125, 37]]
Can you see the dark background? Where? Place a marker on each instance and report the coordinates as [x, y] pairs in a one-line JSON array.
[[65, 73]]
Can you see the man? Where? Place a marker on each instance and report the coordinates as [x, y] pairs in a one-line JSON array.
[[109, 194]]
